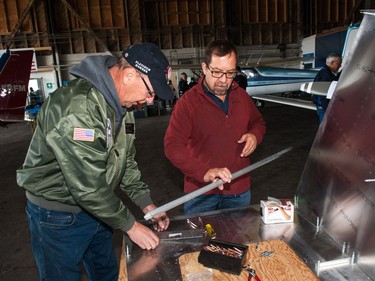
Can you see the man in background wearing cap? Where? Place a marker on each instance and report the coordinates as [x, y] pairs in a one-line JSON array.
[[81, 151]]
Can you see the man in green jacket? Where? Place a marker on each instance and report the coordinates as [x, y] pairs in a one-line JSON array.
[[82, 149]]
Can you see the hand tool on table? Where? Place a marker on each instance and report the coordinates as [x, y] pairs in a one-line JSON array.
[[252, 273], [213, 185]]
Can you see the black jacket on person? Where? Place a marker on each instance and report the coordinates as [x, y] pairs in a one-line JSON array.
[[241, 80], [192, 84], [182, 87], [325, 74]]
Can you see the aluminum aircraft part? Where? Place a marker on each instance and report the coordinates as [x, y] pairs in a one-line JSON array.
[[181, 235], [314, 88], [306, 104], [128, 245], [369, 180], [193, 225], [213, 185], [196, 223], [336, 189]]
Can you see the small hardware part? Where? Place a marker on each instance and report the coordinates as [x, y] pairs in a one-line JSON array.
[[266, 254], [210, 231]]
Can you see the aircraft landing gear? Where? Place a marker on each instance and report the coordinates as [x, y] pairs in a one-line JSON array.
[[259, 103]]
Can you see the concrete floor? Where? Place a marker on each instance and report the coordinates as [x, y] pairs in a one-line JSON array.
[[286, 126]]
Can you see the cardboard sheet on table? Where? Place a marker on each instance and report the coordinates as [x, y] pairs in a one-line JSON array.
[[284, 264]]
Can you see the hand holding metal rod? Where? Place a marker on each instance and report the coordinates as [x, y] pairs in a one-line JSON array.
[[213, 185]]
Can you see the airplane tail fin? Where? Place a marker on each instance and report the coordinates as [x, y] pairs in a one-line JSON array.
[[3, 60], [15, 68]]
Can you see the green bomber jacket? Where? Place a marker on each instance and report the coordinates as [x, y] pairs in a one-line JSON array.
[[76, 158]]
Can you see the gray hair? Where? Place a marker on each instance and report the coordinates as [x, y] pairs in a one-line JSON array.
[[332, 58]]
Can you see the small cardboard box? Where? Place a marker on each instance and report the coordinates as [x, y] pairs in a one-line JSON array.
[[224, 256], [277, 211]]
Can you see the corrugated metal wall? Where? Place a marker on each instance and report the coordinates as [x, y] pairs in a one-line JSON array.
[[90, 26]]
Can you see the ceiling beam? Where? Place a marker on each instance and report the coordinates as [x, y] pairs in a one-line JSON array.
[[85, 25], [20, 21]]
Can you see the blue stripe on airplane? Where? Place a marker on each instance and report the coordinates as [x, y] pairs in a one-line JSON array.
[[265, 76]]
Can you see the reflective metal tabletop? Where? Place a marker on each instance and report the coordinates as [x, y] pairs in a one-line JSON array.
[[241, 225]]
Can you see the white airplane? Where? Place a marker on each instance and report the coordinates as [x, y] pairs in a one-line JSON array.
[[316, 88], [265, 80]]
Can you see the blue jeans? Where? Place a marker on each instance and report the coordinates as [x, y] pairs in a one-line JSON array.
[[320, 111], [212, 202], [61, 241]]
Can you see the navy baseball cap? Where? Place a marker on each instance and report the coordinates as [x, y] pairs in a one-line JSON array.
[[150, 60]]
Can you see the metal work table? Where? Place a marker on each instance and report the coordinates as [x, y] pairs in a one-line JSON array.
[[241, 225]]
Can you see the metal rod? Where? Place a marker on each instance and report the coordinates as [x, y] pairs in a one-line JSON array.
[[213, 185]]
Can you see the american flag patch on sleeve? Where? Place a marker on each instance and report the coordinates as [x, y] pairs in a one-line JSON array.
[[81, 134]]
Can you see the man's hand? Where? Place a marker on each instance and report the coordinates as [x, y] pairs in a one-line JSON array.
[[215, 174], [161, 221], [250, 144], [143, 236]]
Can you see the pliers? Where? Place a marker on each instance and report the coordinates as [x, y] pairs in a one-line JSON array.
[[252, 273]]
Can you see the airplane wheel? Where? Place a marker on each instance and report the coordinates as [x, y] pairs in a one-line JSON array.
[[296, 94], [259, 103]]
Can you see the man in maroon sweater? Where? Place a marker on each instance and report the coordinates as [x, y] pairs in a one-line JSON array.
[[213, 129]]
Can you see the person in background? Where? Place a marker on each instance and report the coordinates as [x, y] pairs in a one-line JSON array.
[[175, 95], [171, 85], [241, 78], [192, 83], [81, 151], [328, 73], [183, 84], [213, 129], [31, 92]]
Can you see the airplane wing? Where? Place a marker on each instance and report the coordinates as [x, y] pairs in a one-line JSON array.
[[14, 80], [306, 104], [314, 88], [281, 62], [263, 80], [319, 88]]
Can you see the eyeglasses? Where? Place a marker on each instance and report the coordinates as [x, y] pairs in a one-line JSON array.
[[150, 94], [219, 74]]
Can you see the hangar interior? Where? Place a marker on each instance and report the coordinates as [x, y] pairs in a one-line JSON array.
[[82, 26], [62, 31]]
